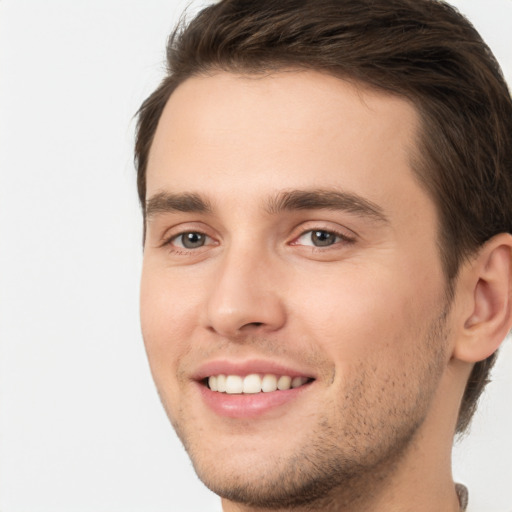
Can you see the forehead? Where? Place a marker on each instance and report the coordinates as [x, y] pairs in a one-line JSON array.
[[296, 129]]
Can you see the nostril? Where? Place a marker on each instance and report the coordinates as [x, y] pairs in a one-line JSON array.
[[249, 326]]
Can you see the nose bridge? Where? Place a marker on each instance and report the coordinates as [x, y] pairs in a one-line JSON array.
[[244, 295]]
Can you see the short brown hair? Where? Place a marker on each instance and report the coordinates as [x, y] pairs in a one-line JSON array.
[[422, 50]]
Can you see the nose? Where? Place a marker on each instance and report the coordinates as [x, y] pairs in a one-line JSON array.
[[246, 296]]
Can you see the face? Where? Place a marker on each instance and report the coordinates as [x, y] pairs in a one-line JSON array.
[[292, 296]]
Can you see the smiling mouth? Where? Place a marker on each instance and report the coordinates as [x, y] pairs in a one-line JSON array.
[[254, 383]]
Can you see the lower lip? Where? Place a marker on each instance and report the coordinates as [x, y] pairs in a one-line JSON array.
[[248, 405]]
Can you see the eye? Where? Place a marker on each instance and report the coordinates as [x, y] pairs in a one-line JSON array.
[[319, 238], [190, 240]]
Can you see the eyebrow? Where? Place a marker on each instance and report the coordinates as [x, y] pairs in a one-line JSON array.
[[320, 199], [165, 202], [290, 200]]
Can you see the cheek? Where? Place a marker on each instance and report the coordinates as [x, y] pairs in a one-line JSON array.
[[168, 312], [356, 316]]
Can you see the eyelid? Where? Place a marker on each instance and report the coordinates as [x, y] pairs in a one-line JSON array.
[[207, 240], [174, 232], [347, 235]]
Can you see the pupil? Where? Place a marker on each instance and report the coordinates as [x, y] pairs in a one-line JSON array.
[[192, 240], [323, 238]]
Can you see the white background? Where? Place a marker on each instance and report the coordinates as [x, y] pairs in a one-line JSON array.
[[81, 428]]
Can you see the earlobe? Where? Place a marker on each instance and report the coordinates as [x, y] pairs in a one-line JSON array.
[[488, 318]]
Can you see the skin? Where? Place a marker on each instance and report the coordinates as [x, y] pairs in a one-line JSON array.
[[367, 317]]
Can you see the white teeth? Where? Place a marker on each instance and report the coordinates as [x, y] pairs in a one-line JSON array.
[[221, 383], [234, 384], [297, 382], [269, 383], [284, 383], [212, 383], [253, 383]]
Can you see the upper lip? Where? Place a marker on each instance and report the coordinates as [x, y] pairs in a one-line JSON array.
[[247, 367]]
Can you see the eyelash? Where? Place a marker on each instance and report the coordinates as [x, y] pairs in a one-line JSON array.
[[177, 249], [339, 238], [342, 237]]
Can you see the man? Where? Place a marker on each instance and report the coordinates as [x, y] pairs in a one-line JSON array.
[[326, 187]]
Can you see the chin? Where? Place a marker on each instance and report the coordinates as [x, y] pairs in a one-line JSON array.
[[311, 471]]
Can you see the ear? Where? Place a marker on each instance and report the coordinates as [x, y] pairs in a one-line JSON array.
[[486, 283]]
